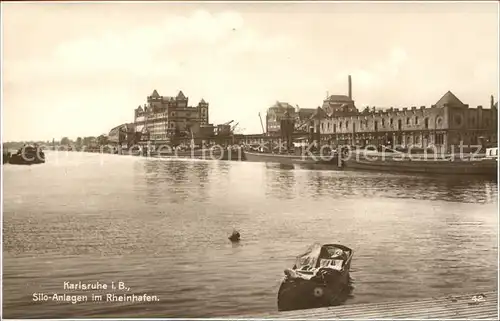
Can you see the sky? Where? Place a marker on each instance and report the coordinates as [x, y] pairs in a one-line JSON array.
[[80, 69]]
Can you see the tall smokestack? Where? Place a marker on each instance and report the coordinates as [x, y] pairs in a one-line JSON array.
[[350, 87]]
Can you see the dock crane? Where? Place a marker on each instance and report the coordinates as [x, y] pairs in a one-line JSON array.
[[234, 126], [301, 126], [262, 125], [225, 128]]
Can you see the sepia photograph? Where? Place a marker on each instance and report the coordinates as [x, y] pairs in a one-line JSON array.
[[250, 160]]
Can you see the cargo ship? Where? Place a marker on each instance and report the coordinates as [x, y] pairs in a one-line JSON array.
[[216, 153], [484, 165], [287, 159]]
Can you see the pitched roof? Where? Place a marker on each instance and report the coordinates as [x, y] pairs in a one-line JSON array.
[[339, 98], [450, 99], [117, 129], [155, 94], [202, 101], [306, 112], [319, 114], [180, 95], [282, 105]]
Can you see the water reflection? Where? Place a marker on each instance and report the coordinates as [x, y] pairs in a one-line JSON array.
[[317, 183], [280, 183], [223, 167], [287, 182], [176, 172], [181, 180], [162, 226], [337, 184], [202, 170], [164, 179], [346, 293], [279, 166]]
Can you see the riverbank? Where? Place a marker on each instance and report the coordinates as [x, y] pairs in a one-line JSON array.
[[476, 305], [351, 159]]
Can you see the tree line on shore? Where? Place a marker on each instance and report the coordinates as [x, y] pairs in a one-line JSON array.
[[64, 141]]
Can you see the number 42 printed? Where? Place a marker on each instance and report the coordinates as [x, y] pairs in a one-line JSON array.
[[478, 298]]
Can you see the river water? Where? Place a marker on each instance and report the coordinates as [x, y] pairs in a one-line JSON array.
[[161, 227]]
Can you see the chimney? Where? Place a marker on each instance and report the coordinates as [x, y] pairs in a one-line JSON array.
[[492, 101], [350, 87]]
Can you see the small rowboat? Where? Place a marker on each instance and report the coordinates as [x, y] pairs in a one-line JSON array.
[[317, 279]]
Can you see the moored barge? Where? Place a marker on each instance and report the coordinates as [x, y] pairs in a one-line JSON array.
[[312, 159], [27, 155], [214, 153], [425, 164], [234, 154]]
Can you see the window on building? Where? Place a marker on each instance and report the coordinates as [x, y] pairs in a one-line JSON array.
[[416, 120], [347, 124], [334, 128], [340, 125], [426, 123], [439, 139], [408, 121], [376, 125], [391, 121], [383, 122]]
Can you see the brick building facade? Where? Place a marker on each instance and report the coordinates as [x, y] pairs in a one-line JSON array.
[[446, 123], [164, 117], [277, 112]]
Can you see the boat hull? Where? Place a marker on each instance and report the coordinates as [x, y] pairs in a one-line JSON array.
[[332, 161], [6, 157], [298, 293], [32, 160], [484, 167], [304, 294], [205, 154]]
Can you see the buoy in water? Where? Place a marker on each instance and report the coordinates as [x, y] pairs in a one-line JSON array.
[[235, 237]]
